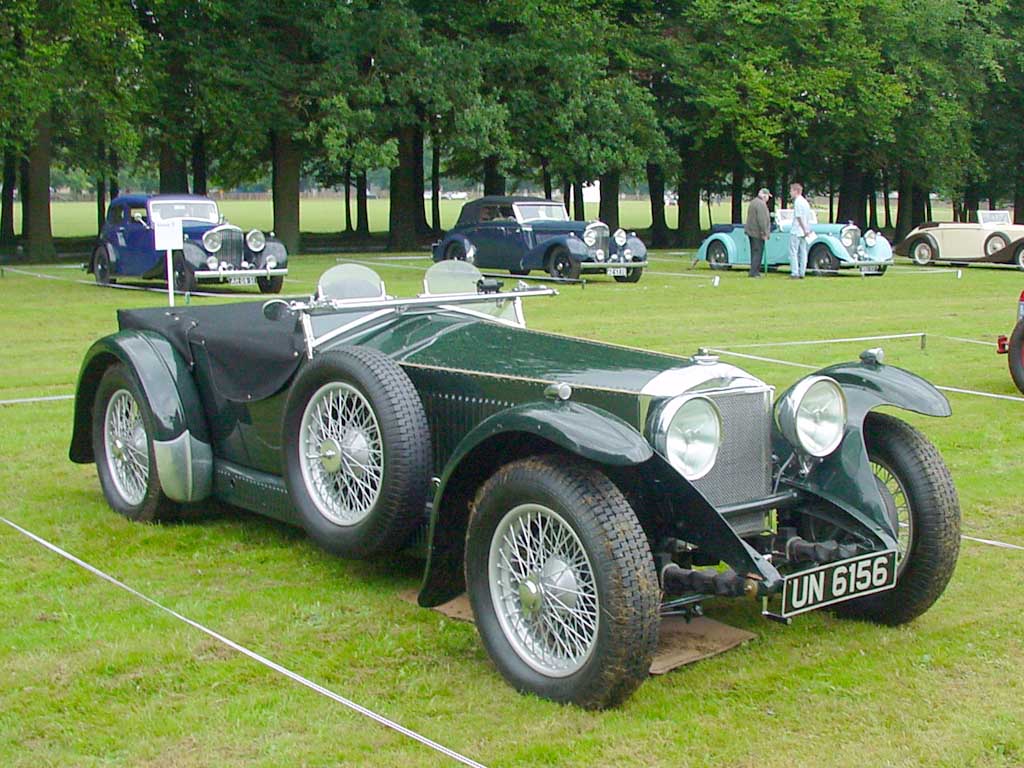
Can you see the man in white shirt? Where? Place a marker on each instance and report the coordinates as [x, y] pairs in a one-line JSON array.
[[803, 218]]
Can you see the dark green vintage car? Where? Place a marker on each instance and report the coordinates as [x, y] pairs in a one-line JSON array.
[[577, 490]]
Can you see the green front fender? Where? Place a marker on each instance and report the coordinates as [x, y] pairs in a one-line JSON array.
[[575, 428], [181, 436], [845, 477]]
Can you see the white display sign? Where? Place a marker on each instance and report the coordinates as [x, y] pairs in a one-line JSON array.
[[168, 236]]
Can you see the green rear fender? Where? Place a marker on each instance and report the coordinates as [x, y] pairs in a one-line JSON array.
[[845, 477], [582, 430], [181, 436]]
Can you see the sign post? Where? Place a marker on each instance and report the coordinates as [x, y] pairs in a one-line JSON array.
[[168, 236]]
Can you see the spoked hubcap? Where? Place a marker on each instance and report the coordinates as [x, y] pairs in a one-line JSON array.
[[543, 590], [341, 453], [922, 253], [994, 245], [897, 506], [127, 449]]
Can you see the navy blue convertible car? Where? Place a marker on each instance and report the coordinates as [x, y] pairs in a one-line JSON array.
[[214, 251], [521, 234]]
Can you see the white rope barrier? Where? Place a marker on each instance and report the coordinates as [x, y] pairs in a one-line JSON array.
[[387, 723], [43, 399]]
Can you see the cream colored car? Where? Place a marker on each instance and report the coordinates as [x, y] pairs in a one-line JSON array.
[[994, 238]]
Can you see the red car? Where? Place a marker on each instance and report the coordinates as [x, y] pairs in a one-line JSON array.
[[1014, 346]]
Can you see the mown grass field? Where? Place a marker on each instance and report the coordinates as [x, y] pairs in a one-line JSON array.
[[90, 676]]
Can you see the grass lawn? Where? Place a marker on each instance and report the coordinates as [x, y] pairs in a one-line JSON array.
[[90, 676], [328, 215]]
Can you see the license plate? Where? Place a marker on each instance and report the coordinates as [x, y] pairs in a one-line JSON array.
[[833, 583], [242, 280], [616, 271]]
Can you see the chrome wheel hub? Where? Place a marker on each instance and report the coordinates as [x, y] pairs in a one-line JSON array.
[[543, 590], [897, 507], [341, 453]]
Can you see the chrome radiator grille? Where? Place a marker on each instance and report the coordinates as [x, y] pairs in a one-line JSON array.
[[232, 247], [601, 243], [743, 471]]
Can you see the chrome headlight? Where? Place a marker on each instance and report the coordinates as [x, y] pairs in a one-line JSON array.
[[812, 416], [620, 237], [212, 241], [870, 238], [271, 262], [211, 262], [256, 241], [688, 433], [847, 238], [590, 238]]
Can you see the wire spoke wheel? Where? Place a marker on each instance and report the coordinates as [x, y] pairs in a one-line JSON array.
[[341, 453], [126, 447], [897, 503], [543, 590], [922, 253]]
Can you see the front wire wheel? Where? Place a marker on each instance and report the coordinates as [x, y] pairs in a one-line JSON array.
[[1016, 355], [922, 505], [562, 582]]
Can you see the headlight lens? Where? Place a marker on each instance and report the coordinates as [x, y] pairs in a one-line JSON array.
[[256, 240], [620, 237], [870, 238], [212, 241], [688, 433], [590, 237], [211, 263], [847, 238], [812, 416]]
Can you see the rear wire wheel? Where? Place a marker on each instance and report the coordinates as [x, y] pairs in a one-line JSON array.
[[1016, 355]]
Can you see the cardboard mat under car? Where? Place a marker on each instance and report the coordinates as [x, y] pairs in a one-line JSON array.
[[679, 641]]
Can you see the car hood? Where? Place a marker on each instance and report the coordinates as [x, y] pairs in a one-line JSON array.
[[561, 227], [491, 349]]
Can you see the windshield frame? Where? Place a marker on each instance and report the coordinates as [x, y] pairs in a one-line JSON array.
[[154, 205], [522, 219]]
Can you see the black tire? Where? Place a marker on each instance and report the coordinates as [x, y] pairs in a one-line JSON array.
[[617, 572], [922, 252], [563, 264], [184, 275], [717, 255], [111, 452], [821, 262], [932, 538], [876, 271], [101, 266], [386, 467], [455, 252], [995, 242], [1016, 355], [519, 272], [1018, 257], [272, 284], [632, 275]]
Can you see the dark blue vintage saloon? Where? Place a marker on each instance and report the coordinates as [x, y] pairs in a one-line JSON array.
[[522, 234], [214, 251]]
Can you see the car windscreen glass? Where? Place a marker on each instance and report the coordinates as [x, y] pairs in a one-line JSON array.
[[993, 217], [115, 214], [529, 212], [190, 210], [447, 278], [350, 281], [138, 214]]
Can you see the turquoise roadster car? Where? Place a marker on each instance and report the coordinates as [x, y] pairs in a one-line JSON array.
[[834, 247]]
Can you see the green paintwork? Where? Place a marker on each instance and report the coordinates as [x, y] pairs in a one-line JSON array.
[[845, 478], [165, 380]]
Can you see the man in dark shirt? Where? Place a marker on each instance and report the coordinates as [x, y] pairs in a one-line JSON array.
[[758, 228]]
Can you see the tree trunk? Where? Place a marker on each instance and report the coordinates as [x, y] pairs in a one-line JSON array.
[[737, 191], [173, 171], [23, 192], [362, 214], [101, 203], [578, 206], [346, 179], [1018, 197], [972, 201], [406, 207], [115, 167], [885, 196], [918, 209], [494, 182], [200, 171], [831, 198], [37, 233], [904, 212], [656, 186], [10, 180], [689, 201], [286, 168], [851, 193], [567, 195], [928, 207], [608, 208], [435, 188], [545, 176], [872, 200], [422, 228]]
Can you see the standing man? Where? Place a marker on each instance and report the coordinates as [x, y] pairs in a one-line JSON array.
[[758, 227], [802, 220]]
